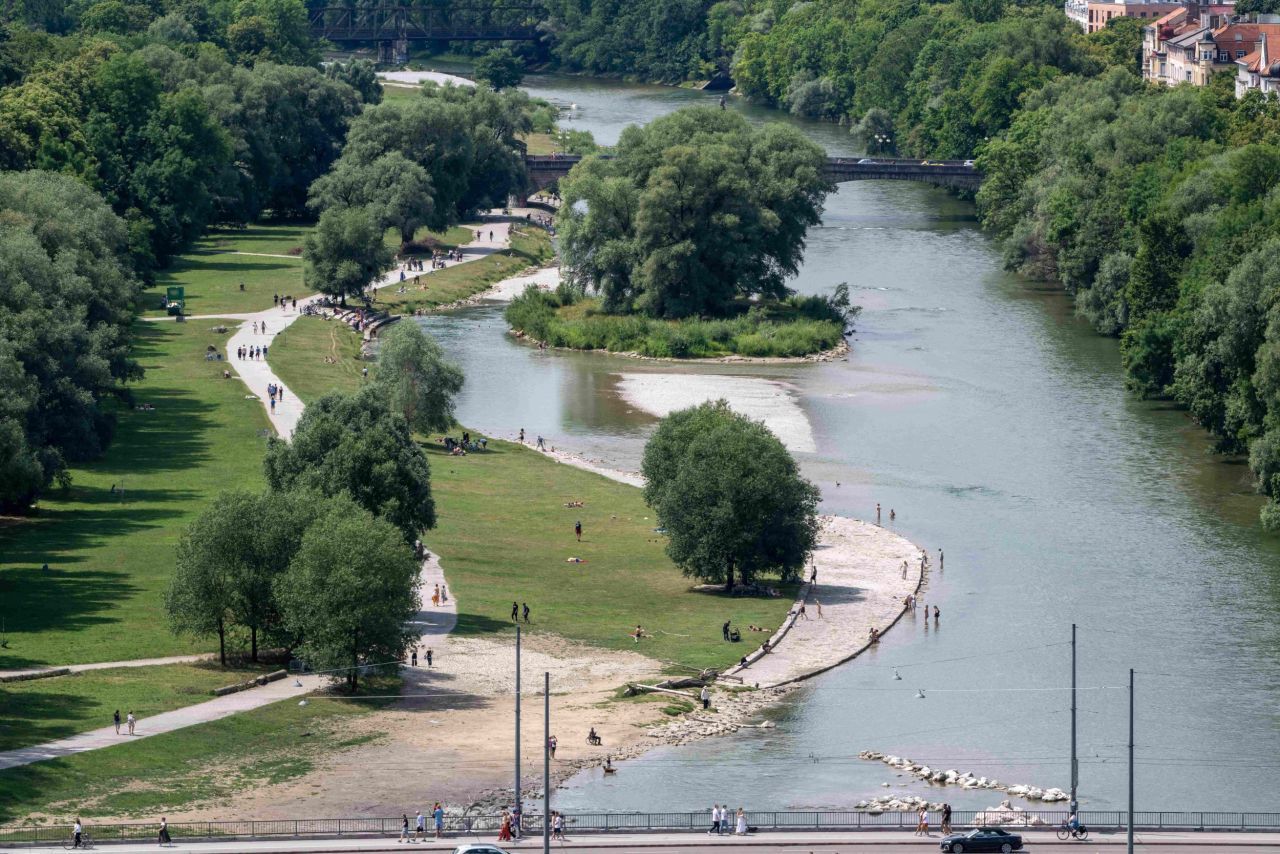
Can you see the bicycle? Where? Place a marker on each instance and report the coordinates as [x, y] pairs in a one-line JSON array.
[[86, 841], [1066, 832]]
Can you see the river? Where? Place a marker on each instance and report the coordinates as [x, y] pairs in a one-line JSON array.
[[997, 426]]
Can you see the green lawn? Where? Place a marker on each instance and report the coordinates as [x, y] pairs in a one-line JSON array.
[[282, 239], [197, 765], [442, 287], [46, 709], [110, 554], [504, 534], [299, 352], [451, 238]]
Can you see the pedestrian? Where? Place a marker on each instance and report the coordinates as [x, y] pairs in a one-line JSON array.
[[877, 512], [273, 406], [517, 821], [163, 836], [577, 530], [705, 696], [275, 299], [715, 820], [892, 514], [116, 718], [444, 593], [255, 327], [364, 373], [525, 610], [280, 393], [557, 827], [414, 658], [435, 596], [941, 559], [264, 351], [813, 576], [922, 825], [817, 604], [802, 611], [936, 613], [419, 826], [946, 819], [77, 834], [429, 655], [438, 815], [504, 834], [263, 327], [541, 445], [741, 829], [404, 827], [725, 629], [553, 743], [131, 721], [521, 435], [515, 612]]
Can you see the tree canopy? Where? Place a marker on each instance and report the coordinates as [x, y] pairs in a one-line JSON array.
[[355, 445], [345, 252], [729, 496], [416, 379], [500, 69], [696, 210]]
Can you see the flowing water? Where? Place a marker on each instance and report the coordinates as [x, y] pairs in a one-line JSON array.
[[997, 426]]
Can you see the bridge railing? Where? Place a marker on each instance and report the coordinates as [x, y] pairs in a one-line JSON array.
[[15, 836]]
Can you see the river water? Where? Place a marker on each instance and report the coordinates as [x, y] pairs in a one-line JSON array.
[[997, 426]]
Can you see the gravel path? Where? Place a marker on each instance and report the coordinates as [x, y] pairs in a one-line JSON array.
[[109, 665]]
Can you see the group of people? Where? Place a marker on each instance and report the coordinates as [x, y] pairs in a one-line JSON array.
[[440, 595], [253, 352], [275, 392], [518, 610], [420, 824], [430, 656], [724, 821], [462, 448], [922, 820], [130, 722], [284, 301]]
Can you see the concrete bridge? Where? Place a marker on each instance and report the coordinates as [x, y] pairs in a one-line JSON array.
[[544, 170]]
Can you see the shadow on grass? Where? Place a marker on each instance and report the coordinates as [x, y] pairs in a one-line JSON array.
[[480, 624], [34, 717], [36, 601]]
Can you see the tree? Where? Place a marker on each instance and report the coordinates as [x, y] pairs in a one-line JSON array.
[[395, 190], [228, 562], [345, 252], [361, 75], [500, 69], [416, 379], [729, 495], [350, 592], [355, 445], [715, 211]]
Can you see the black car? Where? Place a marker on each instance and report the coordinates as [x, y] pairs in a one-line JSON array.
[[982, 839]]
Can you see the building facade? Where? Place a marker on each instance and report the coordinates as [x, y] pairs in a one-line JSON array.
[[1093, 15], [1259, 70]]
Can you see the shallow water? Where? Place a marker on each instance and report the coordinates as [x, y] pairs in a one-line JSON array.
[[997, 426]]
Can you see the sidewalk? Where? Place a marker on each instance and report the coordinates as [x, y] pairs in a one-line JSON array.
[[895, 839]]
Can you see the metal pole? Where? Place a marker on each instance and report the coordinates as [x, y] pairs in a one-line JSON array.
[[1129, 835], [1075, 763], [519, 805], [546, 763]]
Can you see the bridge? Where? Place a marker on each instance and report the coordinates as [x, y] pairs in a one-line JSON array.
[[544, 170], [393, 27]]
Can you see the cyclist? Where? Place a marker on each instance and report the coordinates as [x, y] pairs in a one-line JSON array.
[[77, 834], [1073, 823]]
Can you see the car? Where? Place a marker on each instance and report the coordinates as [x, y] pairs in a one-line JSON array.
[[968, 163], [479, 848], [982, 839], [867, 161], [930, 163]]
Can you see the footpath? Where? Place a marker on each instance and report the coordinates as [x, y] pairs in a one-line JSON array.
[[826, 842], [257, 374]]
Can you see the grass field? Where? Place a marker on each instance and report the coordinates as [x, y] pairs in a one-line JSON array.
[[199, 764], [46, 709], [110, 555], [442, 287], [213, 270], [298, 357]]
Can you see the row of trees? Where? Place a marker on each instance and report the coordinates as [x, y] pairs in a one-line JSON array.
[[426, 161], [321, 563], [730, 497], [696, 211]]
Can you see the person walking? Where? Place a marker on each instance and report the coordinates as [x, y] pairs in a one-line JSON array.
[[557, 827], [577, 530], [941, 559], [946, 819], [715, 820], [724, 820], [437, 814], [877, 512], [818, 605], [131, 721], [515, 612], [116, 719], [936, 613], [504, 834], [419, 826], [429, 655], [404, 827], [77, 834], [705, 696], [922, 822], [163, 835], [741, 829], [525, 610], [413, 659], [551, 746]]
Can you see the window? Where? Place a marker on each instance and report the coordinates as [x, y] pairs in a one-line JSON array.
[[1188, 74], [1224, 56], [1239, 54]]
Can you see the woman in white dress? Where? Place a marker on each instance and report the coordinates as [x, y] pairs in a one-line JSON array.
[[741, 829]]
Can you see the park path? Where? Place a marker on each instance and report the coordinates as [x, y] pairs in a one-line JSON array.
[[433, 621], [111, 665], [257, 373]]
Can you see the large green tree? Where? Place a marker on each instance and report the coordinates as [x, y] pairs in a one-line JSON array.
[[418, 381], [345, 252], [350, 591], [500, 69], [355, 445], [697, 209], [730, 497], [395, 190]]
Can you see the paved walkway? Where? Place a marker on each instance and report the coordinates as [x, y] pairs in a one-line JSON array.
[[257, 374], [110, 665], [1166, 841]]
